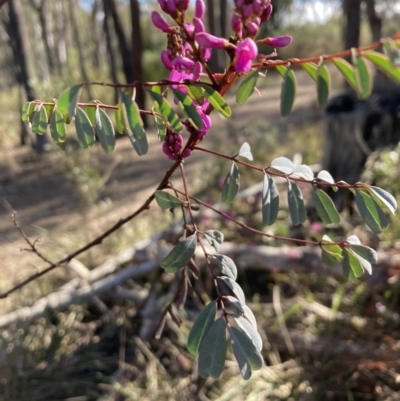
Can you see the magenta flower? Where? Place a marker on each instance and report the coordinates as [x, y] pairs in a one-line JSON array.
[[199, 9], [279, 41], [246, 52], [166, 56], [205, 39], [198, 25], [159, 22], [266, 13]]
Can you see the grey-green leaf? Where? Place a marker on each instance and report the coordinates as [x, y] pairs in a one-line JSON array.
[[167, 201], [57, 127], [270, 201], [212, 350], [245, 151], [246, 87], [304, 171], [297, 210], [311, 69], [39, 121], [363, 77], [323, 85], [283, 165], [324, 175], [141, 145], [166, 111], [331, 253], [84, 129], [232, 304], [249, 329], [365, 252], [215, 238], [288, 92], [371, 212], [201, 326], [133, 116], [383, 63], [383, 198], [231, 185], [246, 353], [352, 266], [228, 286], [325, 207], [67, 101], [226, 266], [347, 70], [180, 254], [217, 101], [105, 130], [189, 108]]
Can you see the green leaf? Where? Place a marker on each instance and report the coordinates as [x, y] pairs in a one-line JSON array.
[[283, 165], [49, 108], [366, 256], [196, 93], [352, 266], [91, 113], [133, 116], [57, 127], [212, 350], [281, 69], [347, 71], [39, 121], [231, 185], [331, 253], [371, 212], [189, 108], [288, 92], [105, 131], [297, 210], [201, 327], [215, 238], [246, 353], [161, 129], [228, 286], [66, 103], [167, 201], [363, 77], [383, 198], [270, 201], [119, 119], [383, 63], [325, 207], [166, 111], [311, 69], [84, 129], [226, 266], [249, 329], [246, 87], [323, 85], [180, 255], [245, 151], [392, 51], [25, 112], [141, 145], [217, 101], [303, 171]]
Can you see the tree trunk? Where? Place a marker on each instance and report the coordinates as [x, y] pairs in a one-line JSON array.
[[352, 16], [137, 51], [124, 47], [222, 18], [72, 5], [110, 49], [96, 34], [15, 27], [61, 47], [375, 21]]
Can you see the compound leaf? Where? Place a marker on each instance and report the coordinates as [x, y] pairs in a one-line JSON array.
[[246, 87], [180, 254], [231, 185], [212, 350], [201, 326], [167, 201]]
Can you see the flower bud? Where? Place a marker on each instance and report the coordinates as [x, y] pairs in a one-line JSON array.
[[199, 9], [252, 28], [266, 13], [247, 11], [205, 39], [278, 41], [182, 5], [236, 24], [159, 22]]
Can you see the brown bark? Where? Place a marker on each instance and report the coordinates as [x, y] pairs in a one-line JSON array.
[[375, 21], [352, 16], [96, 34], [137, 53], [72, 6]]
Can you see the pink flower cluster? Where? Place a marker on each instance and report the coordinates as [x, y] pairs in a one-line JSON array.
[[172, 146]]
